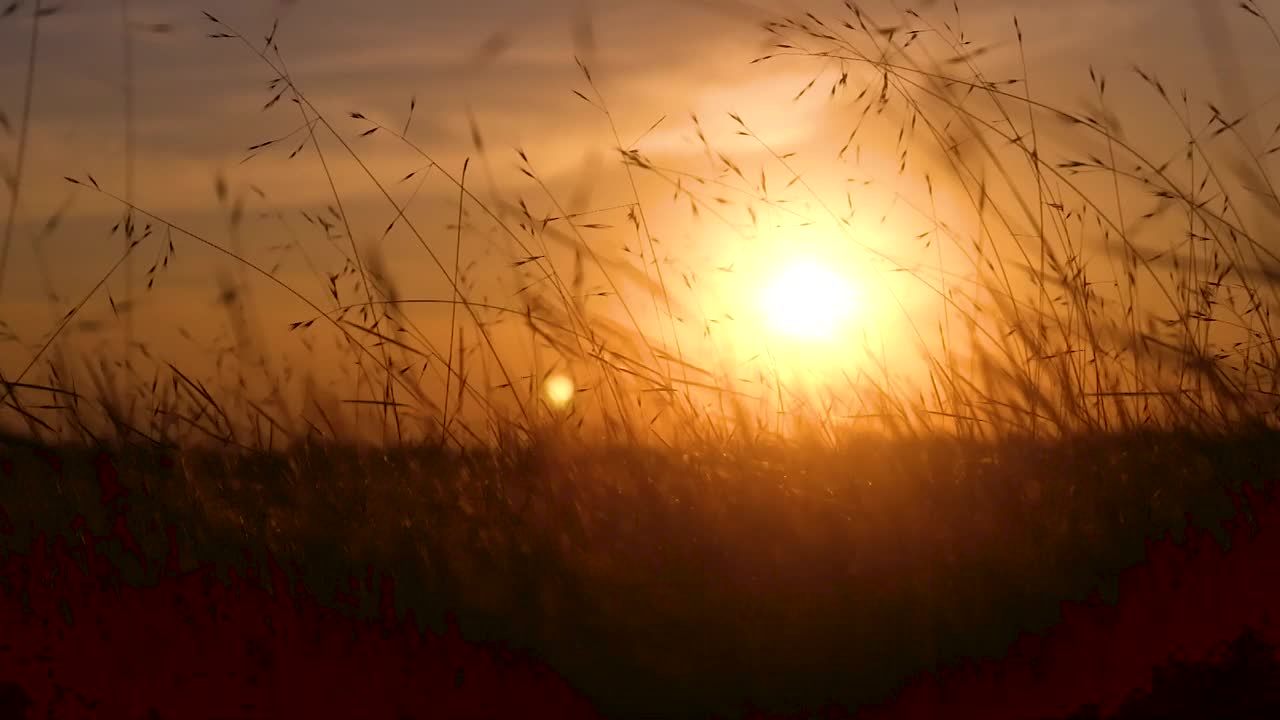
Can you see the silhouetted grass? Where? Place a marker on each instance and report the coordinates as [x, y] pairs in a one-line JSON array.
[[725, 559], [671, 584]]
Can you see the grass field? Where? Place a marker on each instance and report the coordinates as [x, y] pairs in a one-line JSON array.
[[666, 587], [674, 534]]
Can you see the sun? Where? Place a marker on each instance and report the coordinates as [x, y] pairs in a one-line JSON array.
[[807, 300], [559, 390]]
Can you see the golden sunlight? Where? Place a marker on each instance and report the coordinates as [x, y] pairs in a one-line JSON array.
[[559, 390], [807, 300]]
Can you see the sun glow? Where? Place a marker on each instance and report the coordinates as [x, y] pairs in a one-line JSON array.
[[559, 390], [807, 300]]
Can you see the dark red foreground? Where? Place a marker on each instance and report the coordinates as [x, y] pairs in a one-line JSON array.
[[87, 645]]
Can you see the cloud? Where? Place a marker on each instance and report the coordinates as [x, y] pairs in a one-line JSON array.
[[507, 63]]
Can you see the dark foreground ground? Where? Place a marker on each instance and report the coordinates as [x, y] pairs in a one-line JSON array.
[[1133, 576]]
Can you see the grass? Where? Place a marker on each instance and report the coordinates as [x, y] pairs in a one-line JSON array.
[[638, 574], [682, 537]]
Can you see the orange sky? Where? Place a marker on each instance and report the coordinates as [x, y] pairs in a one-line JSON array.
[[509, 65]]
